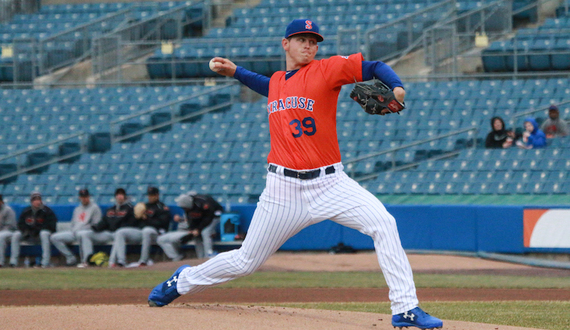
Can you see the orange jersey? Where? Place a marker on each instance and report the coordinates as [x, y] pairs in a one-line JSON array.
[[302, 112]]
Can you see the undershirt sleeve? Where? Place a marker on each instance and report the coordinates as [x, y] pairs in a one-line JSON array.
[[381, 71], [255, 81]]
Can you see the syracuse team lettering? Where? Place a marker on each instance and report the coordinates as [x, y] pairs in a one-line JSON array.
[[292, 102]]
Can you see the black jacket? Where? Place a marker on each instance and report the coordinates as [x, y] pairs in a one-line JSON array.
[[31, 223], [117, 217], [157, 215], [205, 209], [495, 139]]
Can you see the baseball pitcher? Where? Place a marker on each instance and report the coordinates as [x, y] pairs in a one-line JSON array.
[[306, 183]]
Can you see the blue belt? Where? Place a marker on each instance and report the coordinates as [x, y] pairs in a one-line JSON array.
[[303, 175]]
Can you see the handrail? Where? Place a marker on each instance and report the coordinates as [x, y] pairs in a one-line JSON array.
[[409, 165], [169, 122], [408, 16], [146, 20], [531, 111], [83, 146], [39, 146], [84, 25], [145, 30], [49, 162], [152, 108], [395, 149], [379, 153], [469, 13]]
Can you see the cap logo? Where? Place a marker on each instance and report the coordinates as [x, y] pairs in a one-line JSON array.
[[308, 25]]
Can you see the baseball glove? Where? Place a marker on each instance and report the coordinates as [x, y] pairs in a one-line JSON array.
[[140, 210], [376, 98]]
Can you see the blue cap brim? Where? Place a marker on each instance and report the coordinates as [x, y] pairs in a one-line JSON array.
[[319, 37]]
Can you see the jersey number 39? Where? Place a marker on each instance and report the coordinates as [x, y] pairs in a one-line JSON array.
[[308, 123]]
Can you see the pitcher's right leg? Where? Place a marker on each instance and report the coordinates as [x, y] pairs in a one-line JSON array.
[[280, 214]]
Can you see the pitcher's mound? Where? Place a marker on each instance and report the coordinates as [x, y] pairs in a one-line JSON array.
[[202, 317]]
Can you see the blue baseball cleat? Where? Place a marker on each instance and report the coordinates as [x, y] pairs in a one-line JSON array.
[[416, 318], [164, 293]]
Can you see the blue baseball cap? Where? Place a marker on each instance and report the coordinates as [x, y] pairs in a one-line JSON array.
[[299, 26]]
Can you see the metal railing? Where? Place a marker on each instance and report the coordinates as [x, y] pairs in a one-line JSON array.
[[392, 39], [71, 46], [351, 169], [138, 39], [515, 117], [9, 8], [44, 56], [172, 108], [189, 58], [50, 146], [116, 136], [445, 41]]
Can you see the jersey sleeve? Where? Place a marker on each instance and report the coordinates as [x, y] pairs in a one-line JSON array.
[[342, 70]]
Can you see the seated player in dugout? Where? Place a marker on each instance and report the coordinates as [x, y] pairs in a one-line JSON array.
[[305, 182], [201, 218]]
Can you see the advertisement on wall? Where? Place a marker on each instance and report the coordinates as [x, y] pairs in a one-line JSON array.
[[546, 228]]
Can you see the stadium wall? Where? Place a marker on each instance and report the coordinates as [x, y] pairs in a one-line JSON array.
[[463, 228]]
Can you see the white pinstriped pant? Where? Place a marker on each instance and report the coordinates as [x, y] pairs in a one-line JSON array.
[[286, 206]]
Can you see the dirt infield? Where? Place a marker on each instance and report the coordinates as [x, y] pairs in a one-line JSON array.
[[288, 295], [126, 308], [203, 317]]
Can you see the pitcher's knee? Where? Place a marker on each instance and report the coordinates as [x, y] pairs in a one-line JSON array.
[[245, 265]]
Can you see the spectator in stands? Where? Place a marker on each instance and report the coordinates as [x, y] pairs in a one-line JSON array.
[[115, 217], [201, 216], [7, 227], [84, 216], [532, 137], [36, 223], [154, 221], [554, 126], [499, 137]]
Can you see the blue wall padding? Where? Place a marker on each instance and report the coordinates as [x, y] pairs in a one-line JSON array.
[[500, 229], [421, 227]]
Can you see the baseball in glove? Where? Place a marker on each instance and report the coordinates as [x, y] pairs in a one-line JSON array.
[[140, 210], [376, 98]]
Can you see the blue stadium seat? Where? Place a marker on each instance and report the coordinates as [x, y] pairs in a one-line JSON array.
[[561, 61], [494, 59], [540, 62]]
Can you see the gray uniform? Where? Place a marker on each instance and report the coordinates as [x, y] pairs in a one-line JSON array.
[[170, 242], [7, 228], [156, 221], [83, 217]]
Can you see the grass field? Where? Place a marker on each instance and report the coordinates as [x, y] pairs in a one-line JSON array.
[[66, 278], [553, 315]]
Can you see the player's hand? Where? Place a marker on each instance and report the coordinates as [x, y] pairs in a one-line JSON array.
[[195, 232], [177, 218], [224, 66], [399, 94]]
